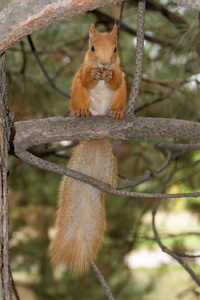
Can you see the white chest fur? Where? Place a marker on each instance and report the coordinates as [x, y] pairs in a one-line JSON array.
[[101, 99]]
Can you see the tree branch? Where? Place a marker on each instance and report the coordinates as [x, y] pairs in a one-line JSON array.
[[185, 147], [23, 20], [41, 131], [139, 59], [168, 251], [103, 282], [51, 167], [52, 84]]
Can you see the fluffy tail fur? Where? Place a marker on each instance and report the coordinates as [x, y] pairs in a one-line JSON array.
[[80, 219]]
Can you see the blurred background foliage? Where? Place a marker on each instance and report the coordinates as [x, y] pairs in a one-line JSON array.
[[170, 88]]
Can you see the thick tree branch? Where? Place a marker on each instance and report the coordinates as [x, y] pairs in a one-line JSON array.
[[28, 16], [23, 20], [34, 132]]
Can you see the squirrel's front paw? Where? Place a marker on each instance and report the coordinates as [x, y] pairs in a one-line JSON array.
[[82, 112], [96, 73], [117, 114], [107, 74]]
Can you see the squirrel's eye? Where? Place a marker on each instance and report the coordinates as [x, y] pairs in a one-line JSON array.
[[115, 50], [92, 49]]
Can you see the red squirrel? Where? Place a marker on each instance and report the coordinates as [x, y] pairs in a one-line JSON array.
[[98, 88]]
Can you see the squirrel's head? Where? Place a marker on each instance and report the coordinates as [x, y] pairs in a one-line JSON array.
[[102, 48]]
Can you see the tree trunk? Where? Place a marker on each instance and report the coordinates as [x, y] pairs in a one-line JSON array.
[[5, 283]]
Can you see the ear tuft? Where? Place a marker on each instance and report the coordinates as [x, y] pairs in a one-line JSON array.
[[114, 31], [92, 32]]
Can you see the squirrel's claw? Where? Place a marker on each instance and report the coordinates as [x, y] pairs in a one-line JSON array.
[[107, 75], [96, 74], [82, 113], [117, 114]]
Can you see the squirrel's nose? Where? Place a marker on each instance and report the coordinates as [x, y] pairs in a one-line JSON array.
[[104, 65]]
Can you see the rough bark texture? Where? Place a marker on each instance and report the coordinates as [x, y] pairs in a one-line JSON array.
[[35, 132], [28, 16], [24, 17], [5, 287]]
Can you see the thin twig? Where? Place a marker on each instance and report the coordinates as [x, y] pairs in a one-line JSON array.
[[52, 84], [103, 282], [164, 166], [23, 67], [134, 181], [148, 175], [13, 285], [195, 106], [164, 248], [154, 101], [120, 17]]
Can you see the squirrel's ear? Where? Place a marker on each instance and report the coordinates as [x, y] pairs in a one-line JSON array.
[[92, 32], [114, 31]]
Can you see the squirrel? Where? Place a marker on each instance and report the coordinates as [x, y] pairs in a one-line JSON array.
[[98, 88]]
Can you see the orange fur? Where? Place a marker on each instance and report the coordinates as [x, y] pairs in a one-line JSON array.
[[98, 88], [80, 222], [103, 57]]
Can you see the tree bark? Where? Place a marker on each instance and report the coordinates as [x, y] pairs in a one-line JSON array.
[[25, 17], [5, 283], [20, 18], [34, 132]]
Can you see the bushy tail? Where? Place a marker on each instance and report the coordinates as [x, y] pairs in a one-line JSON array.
[[80, 222]]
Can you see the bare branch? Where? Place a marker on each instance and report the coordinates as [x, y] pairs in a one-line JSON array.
[[171, 253], [52, 84], [164, 248], [51, 167], [23, 67], [13, 286], [34, 132], [134, 181], [41, 14], [154, 101], [185, 147], [164, 166], [103, 282], [139, 59]]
